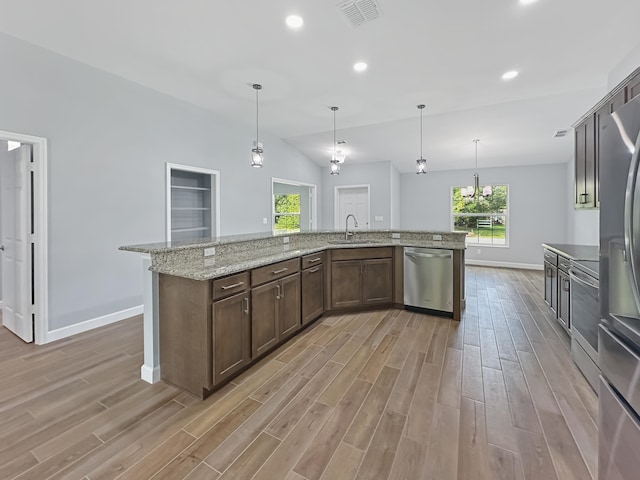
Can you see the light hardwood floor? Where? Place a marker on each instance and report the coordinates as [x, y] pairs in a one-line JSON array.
[[384, 394]]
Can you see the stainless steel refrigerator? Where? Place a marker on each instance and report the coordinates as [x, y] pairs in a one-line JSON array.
[[619, 330]]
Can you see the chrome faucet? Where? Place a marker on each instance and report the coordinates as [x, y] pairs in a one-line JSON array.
[[347, 233]]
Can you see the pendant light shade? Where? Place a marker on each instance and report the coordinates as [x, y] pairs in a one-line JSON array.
[[257, 157], [335, 162], [421, 163]]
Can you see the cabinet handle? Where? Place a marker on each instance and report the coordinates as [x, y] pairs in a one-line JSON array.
[[278, 294], [281, 291], [234, 285], [314, 270], [314, 260], [275, 272], [566, 285], [245, 300]]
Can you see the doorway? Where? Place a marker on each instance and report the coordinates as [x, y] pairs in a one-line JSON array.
[[293, 206], [352, 200], [23, 236]]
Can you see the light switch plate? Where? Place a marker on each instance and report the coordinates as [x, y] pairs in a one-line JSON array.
[[395, 235], [437, 237], [209, 251], [209, 262], [264, 221]]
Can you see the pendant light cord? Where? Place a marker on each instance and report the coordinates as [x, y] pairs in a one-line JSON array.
[[421, 130], [335, 152], [257, 111]]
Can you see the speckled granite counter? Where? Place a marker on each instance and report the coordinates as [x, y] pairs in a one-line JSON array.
[[243, 252], [575, 252]]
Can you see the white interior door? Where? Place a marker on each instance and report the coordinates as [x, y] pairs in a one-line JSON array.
[[16, 256], [354, 201]]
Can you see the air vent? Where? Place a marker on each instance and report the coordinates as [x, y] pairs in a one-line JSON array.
[[560, 133], [341, 142], [360, 11]]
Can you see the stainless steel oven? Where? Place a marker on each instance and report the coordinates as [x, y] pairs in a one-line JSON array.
[[585, 317]]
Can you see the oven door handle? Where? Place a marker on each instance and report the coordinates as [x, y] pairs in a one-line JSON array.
[[573, 275]]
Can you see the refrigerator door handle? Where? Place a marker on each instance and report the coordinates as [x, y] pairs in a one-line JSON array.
[[629, 226]]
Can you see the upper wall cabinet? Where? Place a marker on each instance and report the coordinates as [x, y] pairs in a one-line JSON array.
[[587, 142]]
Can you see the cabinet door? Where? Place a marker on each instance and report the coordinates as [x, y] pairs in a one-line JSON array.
[[633, 88], [231, 348], [377, 281], [590, 163], [580, 154], [265, 327], [346, 283], [312, 294], [605, 111], [550, 286], [289, 305], [564, 308]]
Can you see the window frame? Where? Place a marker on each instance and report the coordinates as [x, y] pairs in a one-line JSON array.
[[507, 215], [313, 192]]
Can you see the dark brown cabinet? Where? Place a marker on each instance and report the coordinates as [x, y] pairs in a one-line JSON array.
[[551, 285], [557, 288], [231, 336], [275, 306], [564, 299], [377, 281], [633, 87], [361, 277], [603, 112], [312, 287]]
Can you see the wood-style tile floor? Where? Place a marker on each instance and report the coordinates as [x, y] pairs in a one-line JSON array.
[[377, 395]]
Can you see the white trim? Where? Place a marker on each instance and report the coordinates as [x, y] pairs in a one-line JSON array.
[[491, 263], [188, 168], [41, 262], [150, 375], [295, 183], [337, 222], [92, 323]]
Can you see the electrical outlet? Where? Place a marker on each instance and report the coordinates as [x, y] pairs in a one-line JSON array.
[[379, 218], [395, 235], [479, 252], [264, 221], [285, 239], [437, 237], [209, 251], [209, 262]]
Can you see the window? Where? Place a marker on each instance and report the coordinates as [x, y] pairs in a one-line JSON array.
[[286, 208], [484, 217]]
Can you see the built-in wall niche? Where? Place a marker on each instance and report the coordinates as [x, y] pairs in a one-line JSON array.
[[192, 203]]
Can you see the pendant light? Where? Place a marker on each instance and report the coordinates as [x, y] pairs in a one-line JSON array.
[[421, 163], [335, 163], [476, 177], [257, 158]]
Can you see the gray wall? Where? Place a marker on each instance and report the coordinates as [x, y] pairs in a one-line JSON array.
[[109, 140], [628, 64], [395, 196], [376, 175], [537, 214], [3, 158]]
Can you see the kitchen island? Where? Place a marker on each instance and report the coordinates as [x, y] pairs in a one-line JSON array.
[[214, 307]]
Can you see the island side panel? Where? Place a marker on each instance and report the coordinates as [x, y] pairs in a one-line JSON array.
[[185, 333], [398, 281], [458, 284]]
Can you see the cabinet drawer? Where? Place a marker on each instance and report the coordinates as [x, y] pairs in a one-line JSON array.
[[551, 257], [564, 263], [362, 253], [312, 260], [274, 271], [224, 287]]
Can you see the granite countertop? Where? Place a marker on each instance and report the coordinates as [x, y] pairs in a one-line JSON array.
[[219, 266], [575, 252]]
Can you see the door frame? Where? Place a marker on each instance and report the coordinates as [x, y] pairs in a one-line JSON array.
[[41, 238], [296, 183], [337, 222], [188, 168]]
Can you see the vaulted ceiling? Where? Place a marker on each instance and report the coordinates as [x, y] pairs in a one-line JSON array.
[[449, 55]]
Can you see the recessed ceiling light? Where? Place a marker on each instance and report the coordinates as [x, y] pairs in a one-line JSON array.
[[509, 75], [527, 2], [360, 67], [294, 21]]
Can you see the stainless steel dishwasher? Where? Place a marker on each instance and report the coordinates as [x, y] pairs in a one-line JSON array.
[[428, 278]]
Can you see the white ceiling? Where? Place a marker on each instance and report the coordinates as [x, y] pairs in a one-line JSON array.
[[447, 54]]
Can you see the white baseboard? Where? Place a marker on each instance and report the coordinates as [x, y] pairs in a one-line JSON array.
[[64, 332], [150, 375], [491, 263]]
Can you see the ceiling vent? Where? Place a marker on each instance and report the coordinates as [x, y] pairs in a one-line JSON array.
[[560, 133], [341, 142], [358, 12]]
